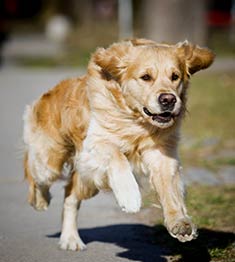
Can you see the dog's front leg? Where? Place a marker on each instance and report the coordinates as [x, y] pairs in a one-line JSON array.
[[123, 183], [70, 239], [165, 177], [105, 166]]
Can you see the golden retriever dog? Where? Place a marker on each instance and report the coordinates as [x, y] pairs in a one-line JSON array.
[[120, 120]]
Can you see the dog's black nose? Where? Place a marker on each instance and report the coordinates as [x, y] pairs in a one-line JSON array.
[[167, 101]]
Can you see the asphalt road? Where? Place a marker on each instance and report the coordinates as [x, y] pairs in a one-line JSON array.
[[30, 236]]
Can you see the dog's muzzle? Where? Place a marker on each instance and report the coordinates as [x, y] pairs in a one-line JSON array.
[[169, 111]]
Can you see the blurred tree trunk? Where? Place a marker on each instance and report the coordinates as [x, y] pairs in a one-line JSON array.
[[174, 20], [80, 11]]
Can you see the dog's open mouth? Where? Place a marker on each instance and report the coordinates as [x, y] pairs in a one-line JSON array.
[[164, 117]]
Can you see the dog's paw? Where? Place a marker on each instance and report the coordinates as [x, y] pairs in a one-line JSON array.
[[73, 243], [40, 199], [184, 230], [130, 203], [40, 205]]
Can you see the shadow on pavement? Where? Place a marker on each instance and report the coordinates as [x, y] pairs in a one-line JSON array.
[[152, 244]]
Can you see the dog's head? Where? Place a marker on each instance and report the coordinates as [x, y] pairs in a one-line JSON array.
[[153, 77]]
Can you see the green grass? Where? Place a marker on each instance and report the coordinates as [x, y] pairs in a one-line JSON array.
[[212, 207], [211, 106], [213, 210], [209, 125]]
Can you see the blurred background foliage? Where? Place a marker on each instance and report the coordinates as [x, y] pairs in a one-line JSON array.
[[84, 25]]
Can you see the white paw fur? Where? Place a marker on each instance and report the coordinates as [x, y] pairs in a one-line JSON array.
[[126, 192], [71, 242]]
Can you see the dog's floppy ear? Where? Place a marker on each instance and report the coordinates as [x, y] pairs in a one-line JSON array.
[[112, 62], [196, 58]]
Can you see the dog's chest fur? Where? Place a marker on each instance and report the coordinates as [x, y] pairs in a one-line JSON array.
[[106, 134], [114, 127]]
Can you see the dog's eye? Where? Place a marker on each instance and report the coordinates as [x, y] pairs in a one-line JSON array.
[[174, 77], [146, 77]]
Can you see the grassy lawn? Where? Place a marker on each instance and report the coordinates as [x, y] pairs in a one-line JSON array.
[[211, 106], [213, 211], [209, 127]]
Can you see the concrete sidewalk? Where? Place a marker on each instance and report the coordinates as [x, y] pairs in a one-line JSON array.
[[110, 235]]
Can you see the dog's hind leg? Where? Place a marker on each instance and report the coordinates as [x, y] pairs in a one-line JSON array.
[[39, 196], [75, 191], [42, 167]]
